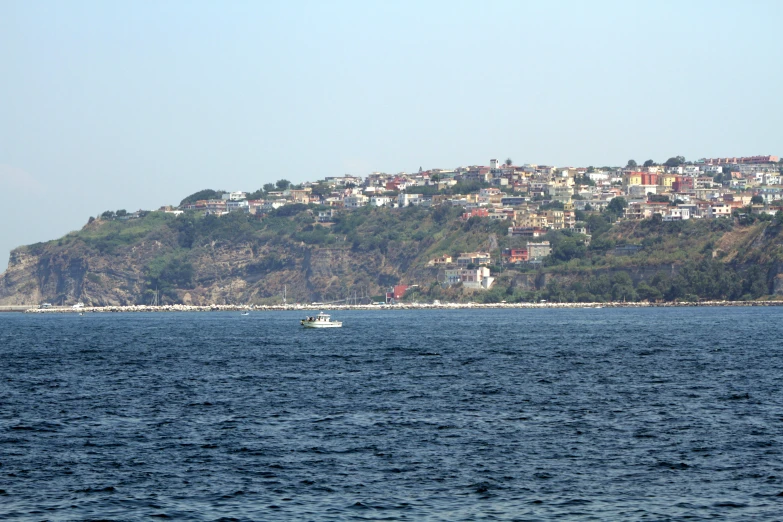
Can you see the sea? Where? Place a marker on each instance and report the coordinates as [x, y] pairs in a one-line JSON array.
[[513, 414]]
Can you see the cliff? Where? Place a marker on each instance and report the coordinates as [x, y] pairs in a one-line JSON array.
[[234, 259], [238, 259]]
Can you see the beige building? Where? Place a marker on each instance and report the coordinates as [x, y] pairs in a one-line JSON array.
[[301, 195], [555, 218], [537, 251]]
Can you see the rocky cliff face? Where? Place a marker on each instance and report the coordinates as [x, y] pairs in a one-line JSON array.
[[63, 276], [19, 284], [240, 260], [222, 273]]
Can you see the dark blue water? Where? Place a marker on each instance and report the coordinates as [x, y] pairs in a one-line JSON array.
[[602, 414]]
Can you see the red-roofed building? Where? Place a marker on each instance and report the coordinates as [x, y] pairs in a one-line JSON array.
[[515, 255], [682, 183], [649, 178], [475, 212], [396, 293]]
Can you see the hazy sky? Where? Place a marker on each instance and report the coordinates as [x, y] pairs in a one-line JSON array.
[[109, 105]]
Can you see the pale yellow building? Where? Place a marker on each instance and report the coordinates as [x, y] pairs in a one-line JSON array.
[[667, 180], [632, 178], [555, 219]]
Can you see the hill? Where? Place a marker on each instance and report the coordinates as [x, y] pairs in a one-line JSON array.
[[241, 259]]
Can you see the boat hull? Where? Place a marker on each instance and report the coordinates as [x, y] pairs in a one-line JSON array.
[[322, 324]]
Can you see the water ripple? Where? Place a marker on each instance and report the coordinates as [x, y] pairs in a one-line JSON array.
[[407, 415]]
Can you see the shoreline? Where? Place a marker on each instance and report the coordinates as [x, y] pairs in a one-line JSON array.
[[399, 306]]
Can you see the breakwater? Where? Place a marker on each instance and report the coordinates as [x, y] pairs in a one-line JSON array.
[[397, 306]]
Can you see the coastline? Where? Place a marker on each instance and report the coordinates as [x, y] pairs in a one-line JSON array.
[[399, 306]]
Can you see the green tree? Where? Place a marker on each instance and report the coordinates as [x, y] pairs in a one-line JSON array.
[[617, 206], [321, 189], [675, 161], [631, 164], [201, 194], [600, 287], [622, 287], [552, 205], [568, 248], [289, 210], [757, 200], [755, 283], [269, 187], [648, 163], [584, 180], [165, 275], [598, 224], [509, 162], [648, 293]]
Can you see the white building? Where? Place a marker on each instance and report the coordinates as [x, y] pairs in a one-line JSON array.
[[598, 175], [560, 193], [677, 214], [233, 205], [474, 278], [355, 201], [273, 204], [641, 191], [234, 196], [341, 181], [538, 251], [497, 215], [326, 216], [404, 199], [381, 201], [719, 210]]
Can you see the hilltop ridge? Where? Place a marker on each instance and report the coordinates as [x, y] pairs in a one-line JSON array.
[[239, 259], [661, 232]]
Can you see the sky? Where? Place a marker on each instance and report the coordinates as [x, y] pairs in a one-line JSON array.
[[137, 104]]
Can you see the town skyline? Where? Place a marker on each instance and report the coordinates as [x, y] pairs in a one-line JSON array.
[[125, 105], [448, 230], [720, 160]]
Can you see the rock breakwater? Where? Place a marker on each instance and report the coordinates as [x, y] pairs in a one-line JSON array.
[[398, 306]]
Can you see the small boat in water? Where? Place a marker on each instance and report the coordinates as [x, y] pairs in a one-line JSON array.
[[321, 320], [245, 313]]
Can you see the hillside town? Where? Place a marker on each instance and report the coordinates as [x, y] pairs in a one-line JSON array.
[[531, 199]]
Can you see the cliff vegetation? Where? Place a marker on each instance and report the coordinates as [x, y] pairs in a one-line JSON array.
[[239, 258]]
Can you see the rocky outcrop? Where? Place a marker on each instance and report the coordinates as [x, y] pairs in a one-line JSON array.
[[241, 273], [163, 262]]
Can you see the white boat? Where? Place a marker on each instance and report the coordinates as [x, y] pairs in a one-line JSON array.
[[321, 320], [245, 313]]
